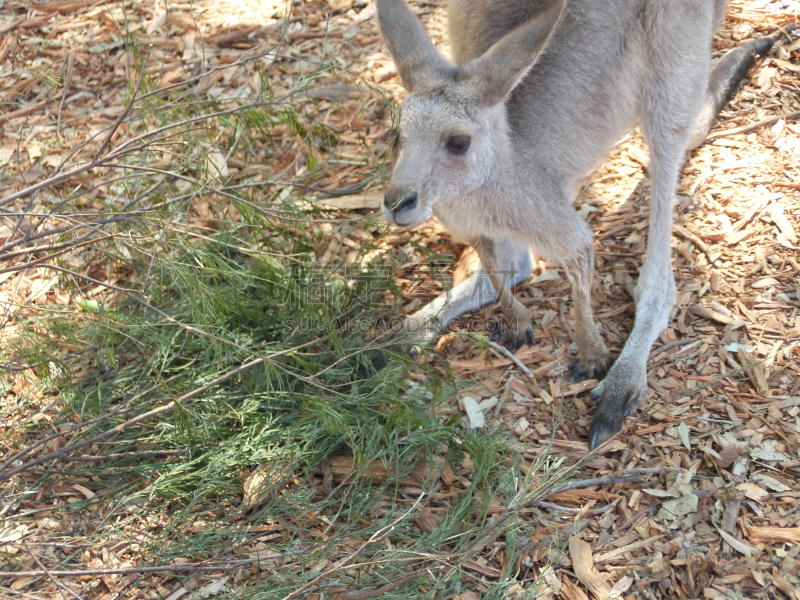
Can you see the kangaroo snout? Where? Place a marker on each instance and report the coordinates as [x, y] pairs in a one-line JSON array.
[[399, 206]]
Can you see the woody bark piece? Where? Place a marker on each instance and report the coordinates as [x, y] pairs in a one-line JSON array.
[[370, 199], [707, 313], [700, 244], [582, 496], [580, 553], [754, 370], [570, 591], [62, 6], [342, 467], [773, 535]]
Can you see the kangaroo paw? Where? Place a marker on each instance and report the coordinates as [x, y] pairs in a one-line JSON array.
[[590, 369], [513, 337]]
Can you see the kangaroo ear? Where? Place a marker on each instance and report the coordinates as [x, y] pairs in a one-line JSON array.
[[493, 75], [414, 54]]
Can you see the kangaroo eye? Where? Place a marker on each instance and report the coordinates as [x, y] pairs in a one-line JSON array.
[[458, 144]]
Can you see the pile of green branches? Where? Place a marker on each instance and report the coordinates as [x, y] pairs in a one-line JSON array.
[[221, 349]]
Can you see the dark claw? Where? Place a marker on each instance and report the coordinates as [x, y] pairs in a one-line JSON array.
[[531, 339], [604, 427], [611, 415], [378, 358], [579, 372], [582, 373], [498, 337], [603, 430], [595, 393], [493, 327]]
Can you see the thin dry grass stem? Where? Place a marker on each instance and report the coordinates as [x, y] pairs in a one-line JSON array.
[[378, 536], [60, 586]]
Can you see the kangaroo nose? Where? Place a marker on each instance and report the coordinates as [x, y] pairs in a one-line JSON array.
[[406, 201]]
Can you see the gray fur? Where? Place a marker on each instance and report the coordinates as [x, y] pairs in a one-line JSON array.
[[544, 89]]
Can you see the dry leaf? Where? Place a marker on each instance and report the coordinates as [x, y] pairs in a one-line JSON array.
[[771, 483], [582, 496], [426, 520], [263, 481], [764, 283], [752, 491], [474, 413], [740, 547], [84, 490], [342, 467], [367, 200], [483, 569]]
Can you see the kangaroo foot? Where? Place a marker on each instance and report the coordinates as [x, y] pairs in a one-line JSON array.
[[512, 335], [620, 394], [590, 369]]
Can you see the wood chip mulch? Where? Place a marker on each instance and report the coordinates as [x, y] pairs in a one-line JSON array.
[[709, 503]]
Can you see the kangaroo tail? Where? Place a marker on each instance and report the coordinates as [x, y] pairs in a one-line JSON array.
[[723, 82]]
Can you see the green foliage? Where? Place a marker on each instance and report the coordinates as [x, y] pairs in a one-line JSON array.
[[192, 306]]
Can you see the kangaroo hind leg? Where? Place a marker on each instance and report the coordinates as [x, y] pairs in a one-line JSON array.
[[679, 55]]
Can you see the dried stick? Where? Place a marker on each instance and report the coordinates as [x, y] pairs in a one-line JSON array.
[[701, 245], [118, 455], [507, 353], [610, 480], [152, 569], [38, 261], [65, 89], [127, 110], [753, 126]]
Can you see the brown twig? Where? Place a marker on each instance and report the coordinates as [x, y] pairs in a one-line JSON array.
[[575, 511], [670, 346], [38, 261], [221, 566], [610, 480], [119, 455], [65, 89], [508, 354], [127, 110], [753, 126]]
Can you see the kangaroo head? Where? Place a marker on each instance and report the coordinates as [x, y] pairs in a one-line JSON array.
[[453, 137]]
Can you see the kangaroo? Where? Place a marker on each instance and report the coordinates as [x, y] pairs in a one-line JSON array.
[[495, 141]]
